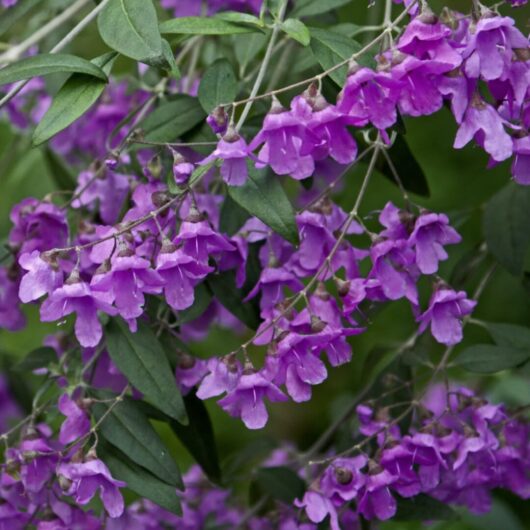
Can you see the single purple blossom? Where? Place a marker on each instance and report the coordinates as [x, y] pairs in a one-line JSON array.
[[77, 423]]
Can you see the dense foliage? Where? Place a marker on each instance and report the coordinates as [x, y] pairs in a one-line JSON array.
[[235, 212]]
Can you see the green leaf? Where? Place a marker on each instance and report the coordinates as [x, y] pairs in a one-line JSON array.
[[241, 18], [423, 508], [297, 30], [223, 286], [488, 359], [139, 480], [198, 437], [204, 26], [331, 48], [127, 428], [142, 360], [172, 119], [308, 8], [506, 222], [407, 168], [61, 174], [8, 17], [263, 196], [510, 335], [218, 85], [280, 483], [232, 217], [48, 63], [39, 358], [131, 28], [74, 98], [246, 47]]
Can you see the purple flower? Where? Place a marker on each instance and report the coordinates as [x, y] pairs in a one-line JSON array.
[[11, 318], [223, 376], [318, 507], [76, 424], [180, 273], [43, 276], [77, 297], [483, 123], [89, 477], [109, 189], [233, 151], [343, 479], [37, 226], [125, 284], [283, 137], [246, 399], [446, 310], [377, 501], [431, 232]]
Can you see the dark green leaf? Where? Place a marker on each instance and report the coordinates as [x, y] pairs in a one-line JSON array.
[[127, 428], [233, 216], [204, 26], [218, 85], [297, 30], [280, 483], [139, 480], [263, 196], [488, 359], [331, 48], [131, 28], [61, 174], [45, 64], [172, 119], [224, 288], [74, 98], [246, 47], [39, 358], [423, 508], [198, 437], [407, 168], [506, 222], [510, 335], [307, 8], [142, 360]]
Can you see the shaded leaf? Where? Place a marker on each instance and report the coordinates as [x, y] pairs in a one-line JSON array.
[[142, 360], [131, 28], [126, 427], [73, 99], [510, 335], [331, 48], [297, 30], [204, 26], [307, 8], [410, 173], [423, 508], [246, 47], [39, 358], [8, 17], [488, 358], [60, 173], [140, 480], [506, 222], [45, 64], [218, 85], [280, 483], [233, 216], [172, 119], [263, 196]]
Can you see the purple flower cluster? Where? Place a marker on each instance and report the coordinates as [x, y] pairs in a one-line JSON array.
[[463, 448], [405, 249]]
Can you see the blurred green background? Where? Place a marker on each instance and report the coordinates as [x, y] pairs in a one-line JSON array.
[[460, 185]]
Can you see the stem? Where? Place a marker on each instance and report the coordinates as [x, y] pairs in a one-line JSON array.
[[264, 65], [58, 47], [17, 50]]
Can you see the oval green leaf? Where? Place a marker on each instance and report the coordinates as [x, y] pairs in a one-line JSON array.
[[297, 30], [50, 63], [204, 26], [141, 358], [218, 85], [131, 28], [488, 358]]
